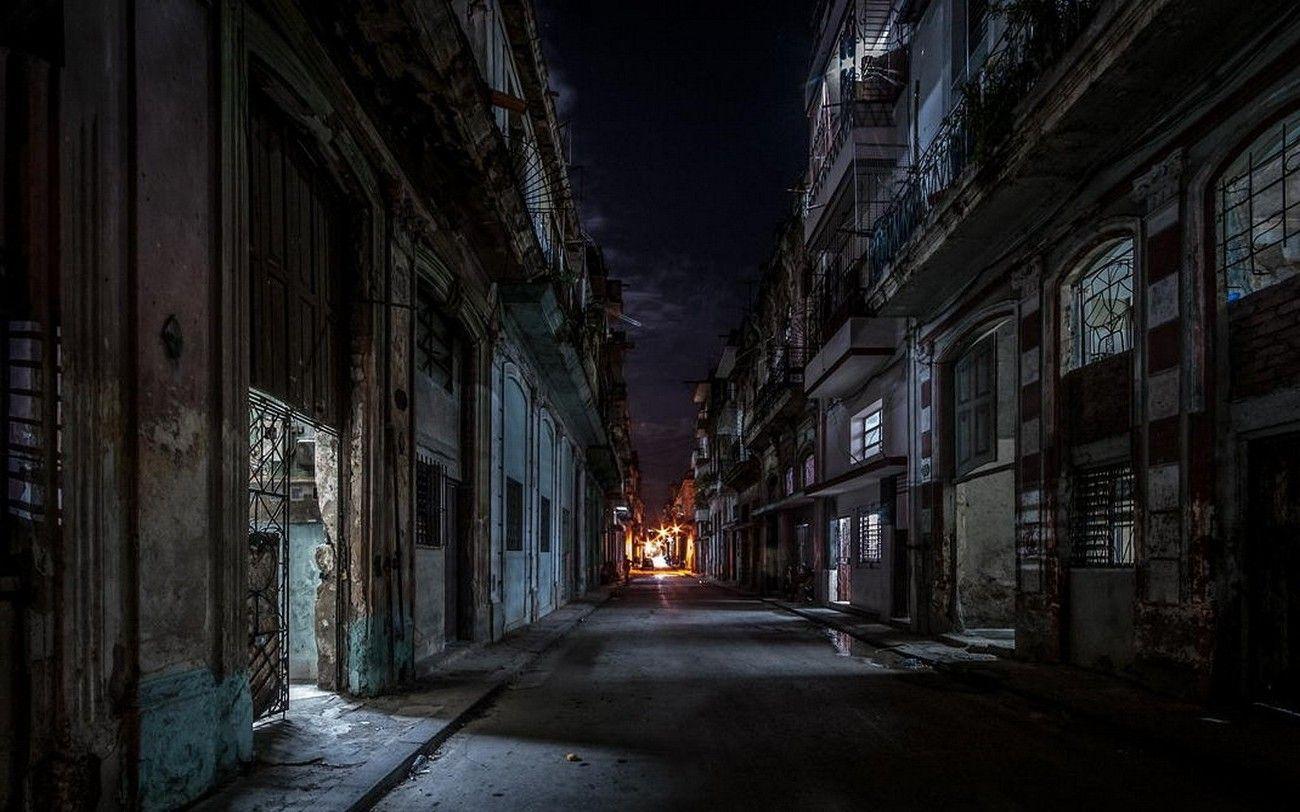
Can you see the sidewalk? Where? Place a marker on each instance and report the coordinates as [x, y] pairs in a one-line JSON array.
[[1261, 745], [333, 752]]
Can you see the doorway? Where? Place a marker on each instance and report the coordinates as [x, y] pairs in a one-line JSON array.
[[841, 553], [295, 570], [1272, 557]]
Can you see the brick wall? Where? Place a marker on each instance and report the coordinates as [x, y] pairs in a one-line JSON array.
[[1263, 340]]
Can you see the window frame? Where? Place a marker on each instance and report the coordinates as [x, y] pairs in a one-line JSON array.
[[1109, 489], [1287, 155], [871, 536], [433, 332], [514, 515], [984, 349], [860, 428], [1082, 346], [544, 524]]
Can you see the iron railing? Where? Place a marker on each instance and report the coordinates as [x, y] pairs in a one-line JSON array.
[[837, 288], [1036, 34], [785, 372]]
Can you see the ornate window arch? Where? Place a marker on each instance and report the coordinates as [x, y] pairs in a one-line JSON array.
[[1097, 305], [1257, 211]]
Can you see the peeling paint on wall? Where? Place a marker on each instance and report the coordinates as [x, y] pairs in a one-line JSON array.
[[193, 729]]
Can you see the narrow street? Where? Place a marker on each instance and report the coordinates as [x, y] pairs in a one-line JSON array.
[[681, 695]]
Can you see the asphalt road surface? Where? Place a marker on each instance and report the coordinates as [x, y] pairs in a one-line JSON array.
[[677, 695]]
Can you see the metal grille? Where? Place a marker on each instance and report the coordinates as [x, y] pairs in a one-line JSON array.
[[268, 554], [514, 514], [34, 416], [1103, 300], [870, 536], [428, 502], [1103, 517], [1258, 212]]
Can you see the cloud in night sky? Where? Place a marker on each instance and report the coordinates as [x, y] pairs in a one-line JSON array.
[[687, 126]]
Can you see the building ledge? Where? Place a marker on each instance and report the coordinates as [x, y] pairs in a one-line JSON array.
[[857, 477], [858, 349]]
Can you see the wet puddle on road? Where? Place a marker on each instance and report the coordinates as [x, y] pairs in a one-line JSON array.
[[846, 645]]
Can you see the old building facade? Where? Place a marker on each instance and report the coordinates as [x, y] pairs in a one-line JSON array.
[[309, 371], [1050, 334]]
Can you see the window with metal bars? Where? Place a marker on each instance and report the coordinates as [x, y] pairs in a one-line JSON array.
[[870, 536], [428, 503], [433, 339], [1102, 524], [1257, 212], [514, 514]]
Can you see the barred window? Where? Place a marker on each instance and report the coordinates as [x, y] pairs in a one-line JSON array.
[[870, 536], [1103, 517], [428, 502], [1257, 212], [1098, 313], [514, 514]]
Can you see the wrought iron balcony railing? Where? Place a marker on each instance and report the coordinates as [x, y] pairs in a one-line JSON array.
[[1036, 35], [784, 374], [837, 291]]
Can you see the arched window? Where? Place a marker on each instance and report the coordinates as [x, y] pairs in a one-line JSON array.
[[1097, 306], [1257, 212]]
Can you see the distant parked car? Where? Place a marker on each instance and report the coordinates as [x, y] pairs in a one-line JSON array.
[[647, 563]]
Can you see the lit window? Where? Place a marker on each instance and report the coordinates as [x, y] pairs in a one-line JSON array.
[[869, 536], [1257, 212], [1102, 524], [789, 480], [1098, 311], [809, 470], [867, 438]]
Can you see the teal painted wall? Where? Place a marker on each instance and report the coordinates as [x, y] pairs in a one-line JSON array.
[[194, 730]]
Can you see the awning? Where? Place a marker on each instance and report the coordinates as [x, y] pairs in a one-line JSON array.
[[855, 478], [795, 500]]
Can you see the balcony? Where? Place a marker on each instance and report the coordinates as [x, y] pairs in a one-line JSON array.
[[1053, 109], [737, 467], [781, 393], [858, 349]]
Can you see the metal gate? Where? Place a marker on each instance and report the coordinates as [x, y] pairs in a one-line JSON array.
[[268, 555]]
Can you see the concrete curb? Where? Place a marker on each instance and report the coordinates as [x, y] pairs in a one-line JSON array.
[[380, 774]]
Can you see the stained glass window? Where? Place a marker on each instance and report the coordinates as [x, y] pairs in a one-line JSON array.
[[1099, 315]]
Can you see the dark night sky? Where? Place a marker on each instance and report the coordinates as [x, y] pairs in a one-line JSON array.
[[687, 120]]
